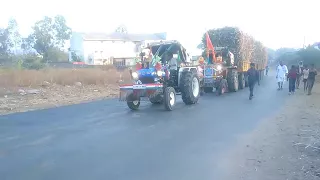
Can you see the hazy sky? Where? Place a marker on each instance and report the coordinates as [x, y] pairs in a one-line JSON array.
[[281, 23]]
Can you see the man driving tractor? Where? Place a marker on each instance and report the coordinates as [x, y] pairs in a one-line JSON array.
[[172, 61]]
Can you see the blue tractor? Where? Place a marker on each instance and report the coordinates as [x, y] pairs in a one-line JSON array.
[[163, 78]]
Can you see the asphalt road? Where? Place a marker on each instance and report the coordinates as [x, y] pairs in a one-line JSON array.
[[105, 140]]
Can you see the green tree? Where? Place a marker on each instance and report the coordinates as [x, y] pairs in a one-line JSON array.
[[4, 42], [61, 31], [271, 53], [283, 51], [310, 55], [13, 35], [9, 40], [26, 43], [49, 33], [75, 57]]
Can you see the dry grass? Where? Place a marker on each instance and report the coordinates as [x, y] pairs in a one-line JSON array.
[[87, 76]]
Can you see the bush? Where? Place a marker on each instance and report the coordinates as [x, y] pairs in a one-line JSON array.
[[32, 62], [75, 57], [56, 55]]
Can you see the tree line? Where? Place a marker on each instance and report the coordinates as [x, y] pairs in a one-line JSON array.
[[45, 43], [290, 56]]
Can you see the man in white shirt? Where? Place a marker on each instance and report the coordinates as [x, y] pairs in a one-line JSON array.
[[282, 72], [173, 63]]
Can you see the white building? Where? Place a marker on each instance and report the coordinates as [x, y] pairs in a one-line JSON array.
[[102, 48]]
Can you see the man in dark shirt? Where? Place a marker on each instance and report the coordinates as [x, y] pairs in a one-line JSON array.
[[253, 77], [292, 78], [311, 78]]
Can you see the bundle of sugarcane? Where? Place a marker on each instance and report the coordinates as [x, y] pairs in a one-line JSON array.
[[260, 55], [242, 45]]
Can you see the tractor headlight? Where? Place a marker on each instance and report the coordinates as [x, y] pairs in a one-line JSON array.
[[219, 67], [159, 73], [135, 75]]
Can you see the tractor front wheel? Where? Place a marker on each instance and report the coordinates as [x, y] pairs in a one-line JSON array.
[[133, 102], [169, 98]]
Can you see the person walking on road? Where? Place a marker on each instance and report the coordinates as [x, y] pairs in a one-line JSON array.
[[300, 68], [253, 78], [311, 78], [267, 70], [292, 78], [305, 73], [282, 71]]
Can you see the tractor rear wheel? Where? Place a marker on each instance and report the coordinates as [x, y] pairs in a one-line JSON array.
[[232, 79]]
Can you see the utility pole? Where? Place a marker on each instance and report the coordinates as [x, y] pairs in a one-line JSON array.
[[304, 42]]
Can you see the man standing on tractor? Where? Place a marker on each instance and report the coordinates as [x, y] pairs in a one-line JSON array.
[[172, 61], [253, 78]]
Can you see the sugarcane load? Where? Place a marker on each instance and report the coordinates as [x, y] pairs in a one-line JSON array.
[[228, 53]]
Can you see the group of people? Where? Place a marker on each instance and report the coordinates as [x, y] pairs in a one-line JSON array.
[[293, 75]]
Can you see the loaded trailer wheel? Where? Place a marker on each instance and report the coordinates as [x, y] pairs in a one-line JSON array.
[[242, 81], [189, 87], [169, 98], [133, 102], [246, 80], [232, 79]]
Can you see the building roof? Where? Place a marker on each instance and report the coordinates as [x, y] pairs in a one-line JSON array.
[[123, 36]]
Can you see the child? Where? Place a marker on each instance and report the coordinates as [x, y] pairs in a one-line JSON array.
[[292, 77], [305, 74]]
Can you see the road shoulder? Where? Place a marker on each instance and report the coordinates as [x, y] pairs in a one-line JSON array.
[[285, 146]]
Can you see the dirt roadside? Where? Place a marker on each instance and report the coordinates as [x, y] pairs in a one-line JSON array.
[[286, 147], [25, 90], [27, 99]]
